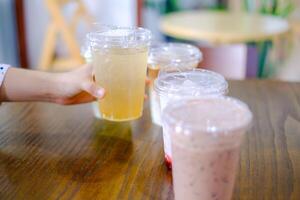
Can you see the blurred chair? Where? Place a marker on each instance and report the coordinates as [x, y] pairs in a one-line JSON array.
[[58, 26]]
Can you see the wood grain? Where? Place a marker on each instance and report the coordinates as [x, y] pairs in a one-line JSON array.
[[54, 152]]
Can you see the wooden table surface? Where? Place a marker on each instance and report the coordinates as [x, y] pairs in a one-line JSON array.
[[222, 27], [54, 152]]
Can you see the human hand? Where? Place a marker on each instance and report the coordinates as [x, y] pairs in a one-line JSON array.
[[73, 87], [77, 86]]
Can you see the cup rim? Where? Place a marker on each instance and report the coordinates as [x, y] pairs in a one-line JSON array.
[[156, 49], [170, 119], [220, 89], [129, 36]]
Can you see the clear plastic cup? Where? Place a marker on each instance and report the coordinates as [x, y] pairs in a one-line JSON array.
[[206, 137], [178, 56], [86, 53], [119, 57], [179, 85], [169, 57]]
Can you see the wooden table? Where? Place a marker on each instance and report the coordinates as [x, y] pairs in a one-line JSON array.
[[55, 152], [222, 27]]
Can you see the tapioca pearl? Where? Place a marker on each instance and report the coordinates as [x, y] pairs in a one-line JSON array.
[[229, 154], [225, 180], [213, 195], [216, 180], [202, 168], [191, 184]]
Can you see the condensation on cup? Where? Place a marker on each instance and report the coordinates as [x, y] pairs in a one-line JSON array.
[[169, 57], [86, 53], [206, 136], [176, 85]]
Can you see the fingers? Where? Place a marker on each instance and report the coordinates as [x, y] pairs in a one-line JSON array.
[[93, 89], [146, 97], [83, 97], [148, 80]]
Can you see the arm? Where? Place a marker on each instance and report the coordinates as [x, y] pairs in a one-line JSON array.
[[76, 86]]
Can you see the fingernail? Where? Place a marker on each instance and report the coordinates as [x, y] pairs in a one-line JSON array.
[[100, 92]]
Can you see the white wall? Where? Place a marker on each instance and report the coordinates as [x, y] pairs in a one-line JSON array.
[[115, 12], [8, 34]]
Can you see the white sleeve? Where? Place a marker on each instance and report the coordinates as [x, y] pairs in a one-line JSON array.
[[3, 70]]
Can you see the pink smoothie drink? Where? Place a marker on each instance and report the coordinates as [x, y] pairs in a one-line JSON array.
[[206, 136], [194, 83]]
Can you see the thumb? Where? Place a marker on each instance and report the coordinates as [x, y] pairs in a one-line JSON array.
[[93, 89]]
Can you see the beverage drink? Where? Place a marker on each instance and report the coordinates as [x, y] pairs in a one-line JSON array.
[[119, 57], [206, 137], [126, 86], [187, 84], [169, 57]]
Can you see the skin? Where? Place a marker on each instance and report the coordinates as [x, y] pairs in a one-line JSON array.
[[73, 87]]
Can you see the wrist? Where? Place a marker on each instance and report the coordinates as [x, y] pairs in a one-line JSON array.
[[42, 86], [29, 85], [57, 87]]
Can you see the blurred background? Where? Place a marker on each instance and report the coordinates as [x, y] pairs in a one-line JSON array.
[[258, 39]]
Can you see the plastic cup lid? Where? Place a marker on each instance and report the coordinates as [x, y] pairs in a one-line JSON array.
[[174, 55], [217, 115], [107, 36], [191, 83]]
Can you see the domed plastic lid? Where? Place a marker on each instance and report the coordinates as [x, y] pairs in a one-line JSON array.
[[191, 83], [115, 36], [174, 55], [214, 117]]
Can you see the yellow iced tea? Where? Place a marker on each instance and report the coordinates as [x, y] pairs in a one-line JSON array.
[[122, 72]]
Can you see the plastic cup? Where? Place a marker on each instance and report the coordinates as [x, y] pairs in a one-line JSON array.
[[119, 57], [179, 85], [176, 56], [169, 57], [86, 53], [206, 137]]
